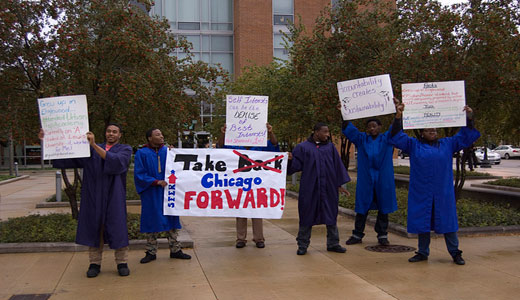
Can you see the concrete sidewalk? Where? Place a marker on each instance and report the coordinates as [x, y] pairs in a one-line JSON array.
[[220, 271]]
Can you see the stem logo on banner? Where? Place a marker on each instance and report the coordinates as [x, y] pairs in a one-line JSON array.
[[65, 123], [246, 118], [225, 183], [366, 97], [434, 105]]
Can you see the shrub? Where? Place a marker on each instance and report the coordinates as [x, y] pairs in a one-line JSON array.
[[512, 182]]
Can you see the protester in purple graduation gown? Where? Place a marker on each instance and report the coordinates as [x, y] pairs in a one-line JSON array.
[[149, 165], [431, 196], [323, 174], [102, 214]]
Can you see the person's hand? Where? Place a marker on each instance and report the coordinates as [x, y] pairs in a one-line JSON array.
[[289, 155], [399, 108], [343, 191], [338, 107], [162, 183], [269, 127], [223, 128], [91, 138], [41, 134], [469, 112]]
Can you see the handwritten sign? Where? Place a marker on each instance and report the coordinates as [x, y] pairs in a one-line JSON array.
[[225, 183], [366, 97], [434, 105], [65, 122], [246, 117]]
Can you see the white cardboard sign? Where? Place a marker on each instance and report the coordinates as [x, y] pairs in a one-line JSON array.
[[246, 118]]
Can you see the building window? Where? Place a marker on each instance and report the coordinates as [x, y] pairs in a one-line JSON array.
[[283, 15]]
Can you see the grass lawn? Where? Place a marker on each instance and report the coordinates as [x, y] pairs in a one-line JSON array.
[[5, 177], [405, 170], [512, 182]]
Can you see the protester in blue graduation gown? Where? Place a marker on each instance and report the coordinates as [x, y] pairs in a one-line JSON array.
[[431, 195], [257, 223], [375, 187], [149, 165], [323, 174], [102, 214]]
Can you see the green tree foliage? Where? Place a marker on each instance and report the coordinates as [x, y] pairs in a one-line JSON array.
[[413, 41], [113, 52]]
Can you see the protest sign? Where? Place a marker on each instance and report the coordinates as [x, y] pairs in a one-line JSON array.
[[225, 183], [366, 97], [246, 117], [65, 123], [434, 105]]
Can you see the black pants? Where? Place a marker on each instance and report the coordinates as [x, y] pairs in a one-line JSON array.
[[304, 236], [381, 226]]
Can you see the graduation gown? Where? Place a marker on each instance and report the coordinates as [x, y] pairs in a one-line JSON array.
[[375, 171], [322, 174], [103, 196], [146, 176], [431, 195]]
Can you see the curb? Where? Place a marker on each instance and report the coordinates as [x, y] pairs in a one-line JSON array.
[[496, 187], [184, 238], [14, 179], [401, 230], [67, 204]]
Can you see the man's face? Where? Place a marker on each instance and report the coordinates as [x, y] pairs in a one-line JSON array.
[[322, 134], [373, 129], [112, 134], [156, 139], [429, 134]]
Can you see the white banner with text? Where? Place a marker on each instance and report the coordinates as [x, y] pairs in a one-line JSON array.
[[246, 118]]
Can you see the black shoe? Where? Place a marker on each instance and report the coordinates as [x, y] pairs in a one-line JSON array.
[[459, 260], [337, 248], [241, 244], [260, 245], [93, 270], [383, 242], [353, 240], [418, 257], [123, 269], [301, 251], [180, 255], [148, 258]]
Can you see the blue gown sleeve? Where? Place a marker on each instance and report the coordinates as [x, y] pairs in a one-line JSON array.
[[341, 172], [353, 134], [463, 139], [296, 164], [141, 178], [402, 141], [117, 162]]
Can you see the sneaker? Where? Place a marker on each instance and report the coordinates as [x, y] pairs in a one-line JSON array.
[[418, 257], [260, 245], [123, 269], [301, 251], [337, 248], [353, 240], [383, 241], [148, 258], [93, 270], [459, 260], [180, 255], [241, 244]]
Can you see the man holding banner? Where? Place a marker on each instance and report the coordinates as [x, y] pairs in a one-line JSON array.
[[431, 196], [102, 214], [375, 187], [257, 223], [323, 174], [149, 166]]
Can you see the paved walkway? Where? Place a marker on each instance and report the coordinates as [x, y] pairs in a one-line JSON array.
[[220, 271]]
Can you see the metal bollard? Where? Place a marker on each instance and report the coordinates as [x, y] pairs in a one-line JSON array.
[[293, 177], [58, 186], [16, 169]]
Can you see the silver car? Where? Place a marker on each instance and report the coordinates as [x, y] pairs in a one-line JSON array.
[[508, 151], [493, 157]]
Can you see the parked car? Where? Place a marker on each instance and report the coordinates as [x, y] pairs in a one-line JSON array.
[[402, 154], [493, 157], [507, 151]]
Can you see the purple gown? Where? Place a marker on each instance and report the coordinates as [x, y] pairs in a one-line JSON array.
[[322, 174], [103, 196]]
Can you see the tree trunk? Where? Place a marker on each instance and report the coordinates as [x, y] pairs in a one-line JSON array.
[[70, 190]]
